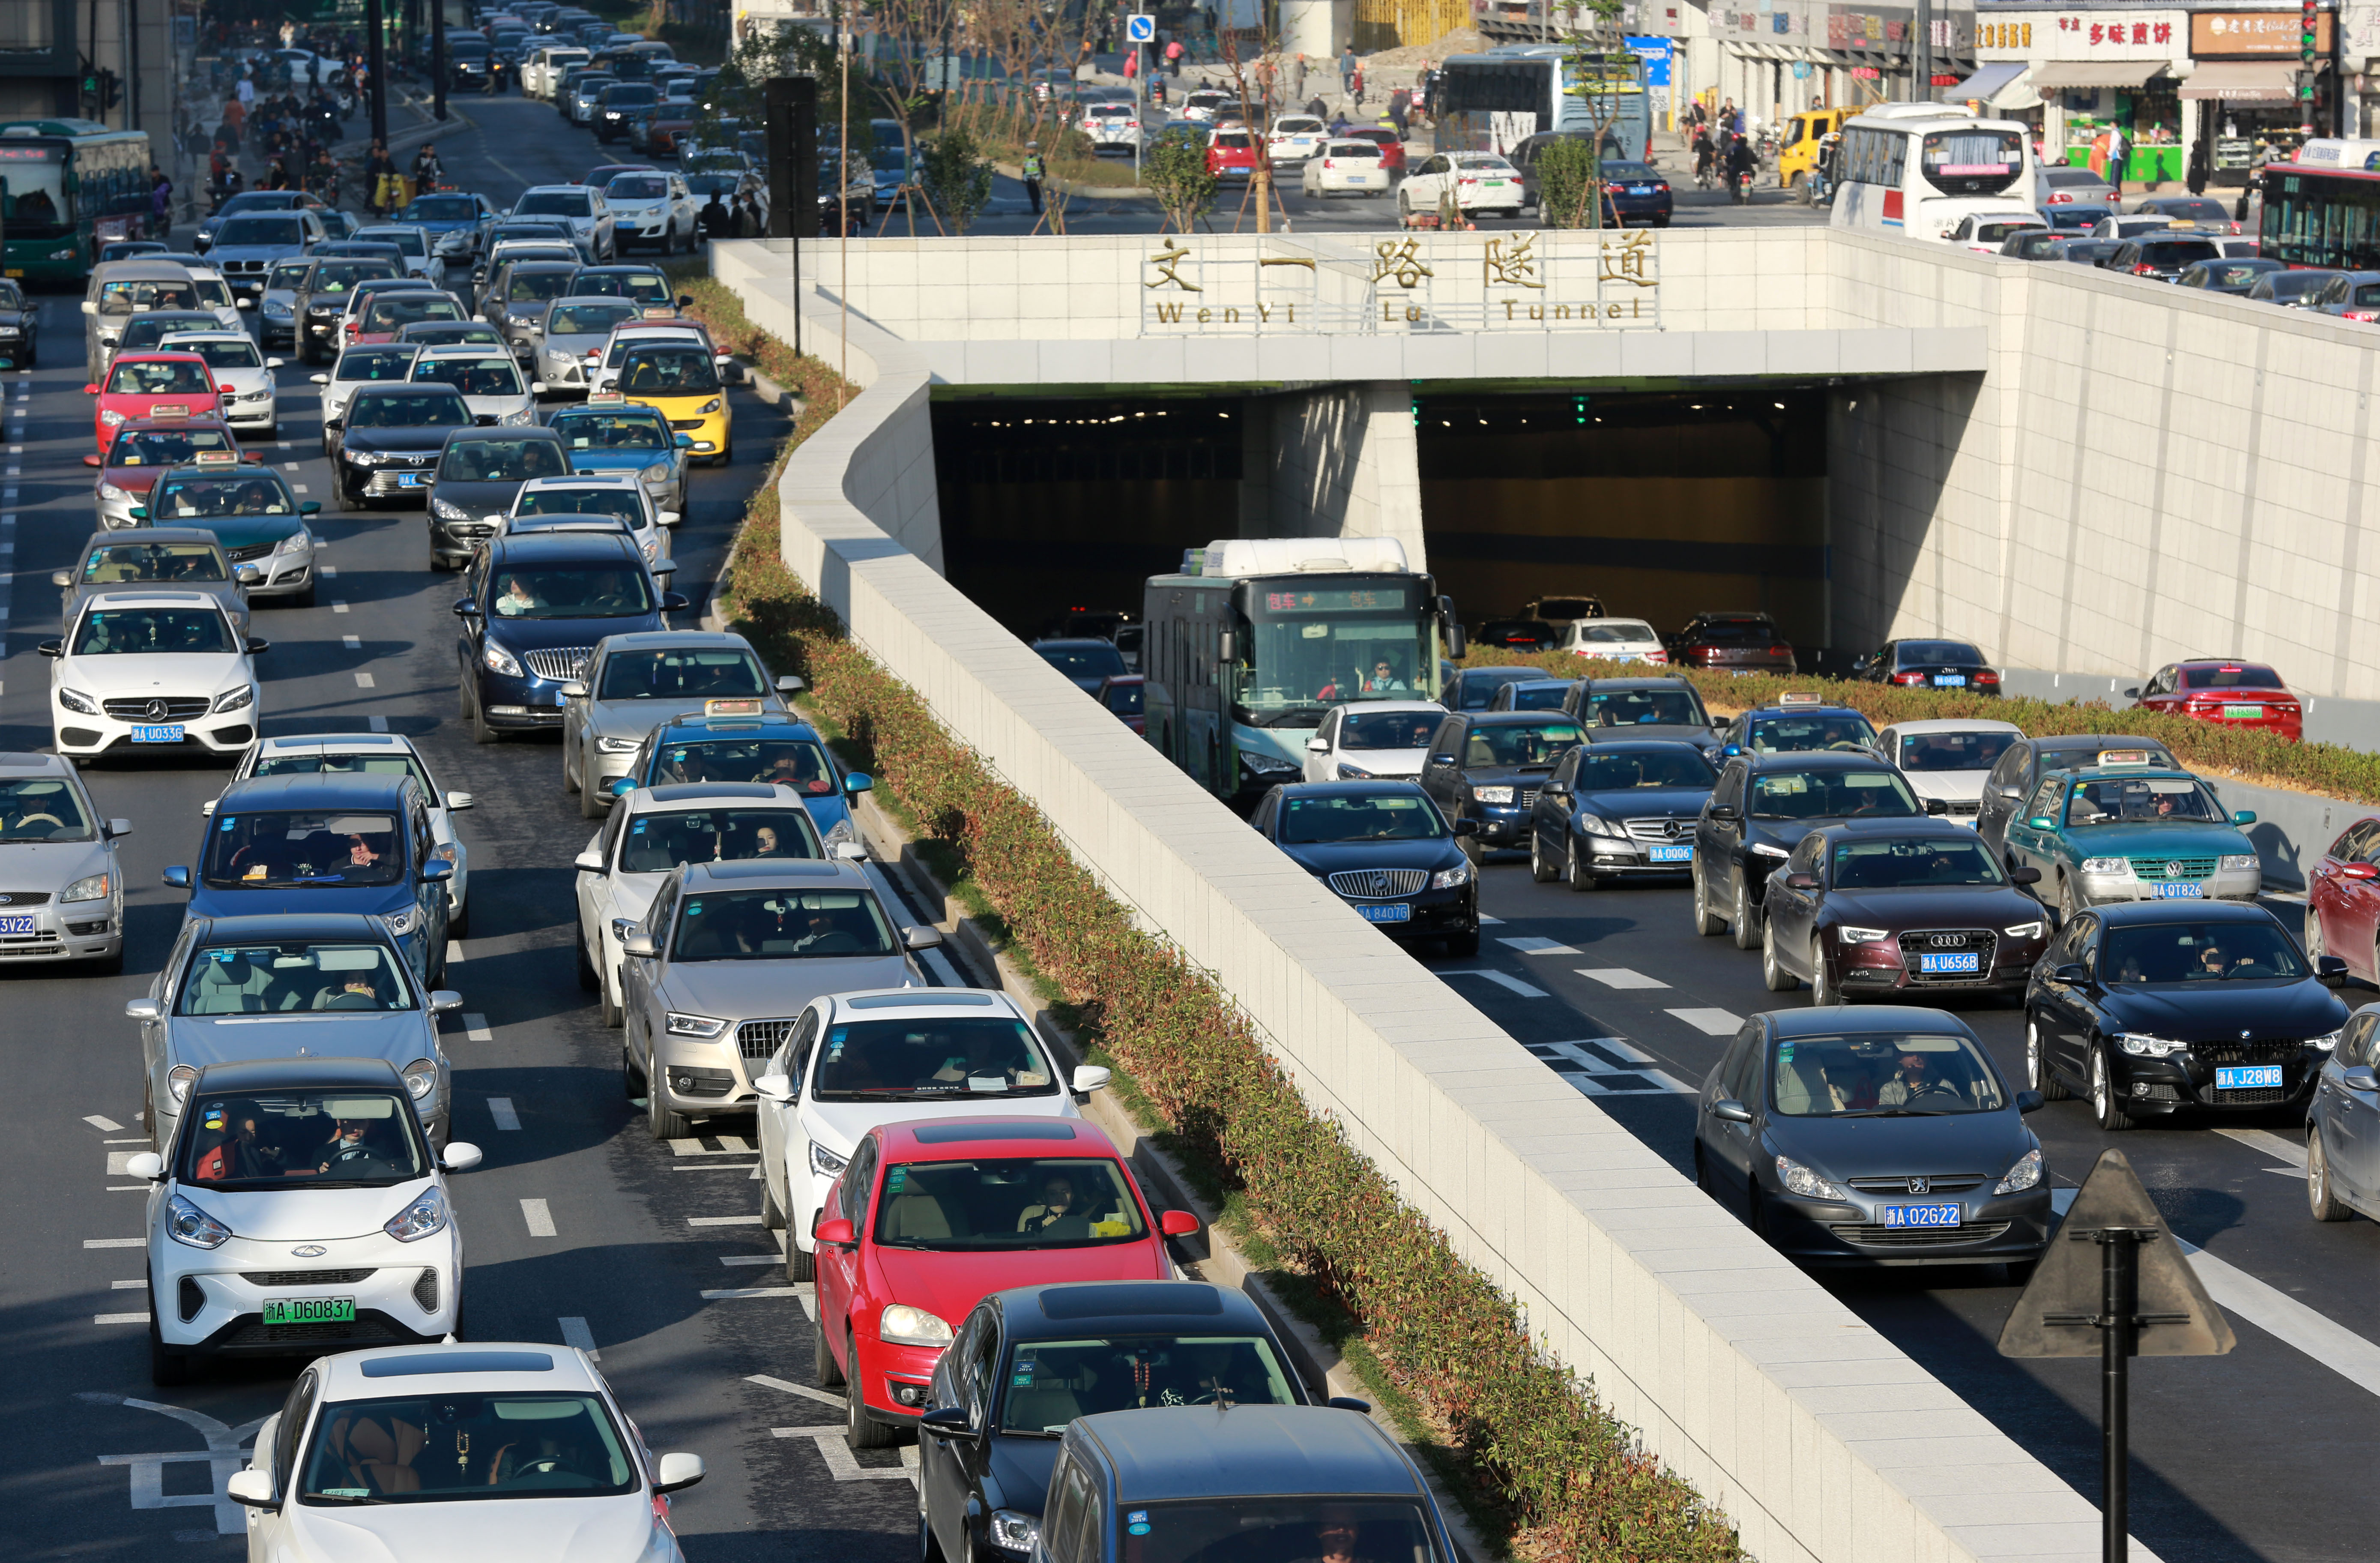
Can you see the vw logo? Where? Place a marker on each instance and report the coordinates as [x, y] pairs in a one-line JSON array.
[[156, 711], [1919, 1186], [2173, 871], [310, 1251], [1380, 884]]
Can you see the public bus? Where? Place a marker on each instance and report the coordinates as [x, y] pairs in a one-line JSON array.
[[1247, 647], [2324, 209], [1916, 169], [1493, 102], [67, 186]]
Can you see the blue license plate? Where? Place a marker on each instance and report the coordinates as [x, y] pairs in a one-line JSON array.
[[1970, 963], [1949, 680], [1640, 190], [170, 733], [409, 479], [17, 925], [1673, 854], [1395, 911], [1921, 1215], [2181, 892], [2248, 1077]]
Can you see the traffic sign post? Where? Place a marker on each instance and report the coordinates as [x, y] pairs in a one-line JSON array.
[[1140, 30], [1140, 27], [2114, 1268]]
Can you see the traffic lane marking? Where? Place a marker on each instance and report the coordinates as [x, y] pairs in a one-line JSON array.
[[1710, 1023], [1620, 977], [825, 1398], [105, 1125], [1530, 944], [576, 1333], [539, 1216], [1499, 978], [501, 1109]]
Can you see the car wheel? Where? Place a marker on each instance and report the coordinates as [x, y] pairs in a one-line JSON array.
[[587, 981], [632, 1079], [2069, 900], [590, 797], [613, 1015], [1702, 1179], [480, 731], [458, 921], [304, 599], [1772, 975], [799, 1266], [2110, 1117], [2322, 1198], [860, 1430], [1745, 922], [772, 1215], [1825, 988], [166, 1369], [1539, 870], [2315, 948], [1576, 874], [823, 1364], [2038, 1075], [1706, 921], [659, 1122]]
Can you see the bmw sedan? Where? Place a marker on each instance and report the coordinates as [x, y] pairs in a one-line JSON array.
[[1383, 848]]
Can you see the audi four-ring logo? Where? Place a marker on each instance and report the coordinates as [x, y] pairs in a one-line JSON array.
[[1947, 941]]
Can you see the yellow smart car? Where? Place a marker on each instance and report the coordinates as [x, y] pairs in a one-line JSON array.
[[678, 378]]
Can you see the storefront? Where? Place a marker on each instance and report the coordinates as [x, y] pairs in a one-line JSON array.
[[2245, 82], [2099, 73]]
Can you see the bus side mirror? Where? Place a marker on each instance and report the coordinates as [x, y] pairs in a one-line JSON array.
[[1227, 646]]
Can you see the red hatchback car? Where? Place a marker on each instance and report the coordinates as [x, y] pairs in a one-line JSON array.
[[2229, 694], [932, 1217], [1231, 155], [2343, 900], [153, 385]]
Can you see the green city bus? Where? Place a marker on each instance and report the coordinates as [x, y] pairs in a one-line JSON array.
[[67, 186]]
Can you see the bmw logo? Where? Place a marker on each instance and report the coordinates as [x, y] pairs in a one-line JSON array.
[[1919, 1186], [2245, 1035], [310, 1251]]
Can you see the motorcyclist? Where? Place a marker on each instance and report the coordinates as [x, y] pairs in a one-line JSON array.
[[428, 173], [1705, 152], [1741, 162]]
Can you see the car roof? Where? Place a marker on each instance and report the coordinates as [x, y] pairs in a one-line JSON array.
[[2118, 773], [1915, 827], [648, 639], [696, 725], [1801, 759], [1517, 718], [925, 1002], [1823, 708], [455, 349], [1955, 725], [1642, 682], [1252, 1451], [1061, 1310], [306, 1073], [1370, 788], [561, 548], [338, 743], [1869, 1020], [996, 1135], [2060, 743], [314, 790], [152, 598], [802, 874], [416, 389], [692, 793], [155, 357], [296, 925], [579, 479], [1632, 746], [151, 534], [2119, 914], [440, 1369]]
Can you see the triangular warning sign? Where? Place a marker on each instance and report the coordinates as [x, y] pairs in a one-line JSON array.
[[2063, 1307]]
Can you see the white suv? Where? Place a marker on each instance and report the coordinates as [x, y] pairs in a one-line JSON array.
[[163, 669], [586, 211]]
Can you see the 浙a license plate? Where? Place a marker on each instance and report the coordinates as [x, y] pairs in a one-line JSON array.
[[1949, 680], [17, 925], [409, 479], [310, 1310], [1921, 1215], [2243, 712], [2181, 892], [2248, 1077], [169, 733], [1394, 911], [1673, 854], [1970, 963]]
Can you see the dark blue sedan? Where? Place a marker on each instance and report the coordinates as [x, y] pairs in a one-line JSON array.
[[1384, 848], [1639, 192]]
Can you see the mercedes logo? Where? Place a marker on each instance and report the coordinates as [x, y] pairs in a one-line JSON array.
[[1919, 1186], [156, 711], [309, 1251], [1674, 829], [2173, 871]]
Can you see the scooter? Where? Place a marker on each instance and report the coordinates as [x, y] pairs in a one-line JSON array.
[[1739, 188]]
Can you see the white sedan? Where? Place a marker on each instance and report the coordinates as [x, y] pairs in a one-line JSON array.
[[1113, 125], [1949, 759], [341, 753], [1616, 639], [1478, 181], [239, 368], [1984, 232], [1295, 138], [1371, 739], [619, 495], [1346, 167], [488, 379], [167, 669]]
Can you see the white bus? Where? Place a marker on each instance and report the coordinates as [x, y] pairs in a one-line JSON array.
[[1918, 169]]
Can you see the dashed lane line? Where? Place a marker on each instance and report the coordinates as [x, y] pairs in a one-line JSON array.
[[364, 681], [127, 1285], [752, 1220], [576, 1333], [1710, 1023], [717, 1166], [1530, 944], [737, 1294], [823, 1397], [737, 1261], [1499, 978], [832, 1449], [454, 951], [730, 1145], [501, 1109], [115, 1242], [1620, 977], [140, 1318], [104, 1125], [540, 1217], [475, 1028]]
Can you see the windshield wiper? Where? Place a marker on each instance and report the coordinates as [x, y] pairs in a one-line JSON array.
[[1896, 1113], [344, 1498]]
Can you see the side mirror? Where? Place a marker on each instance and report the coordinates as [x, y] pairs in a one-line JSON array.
[[677, 1471], [574, 689], [1442, 759], [269, 363], [143, 1010], [485, 420], [251, 1487], [89, 390], [838, 1231], [457, 800], [1349, 1403], [2042, 821], [52, 648], [642, 945], [460, 1156], [437, 871], [1177, 1224], [858, 782], [673, 602], [94, 461], [1722, 813], [1464, 827], [139, 512], [948, 1421], [2133, 693], [1089, 1078], [1936, 807], [317, 379], [2025, 873], [117, 828], [178, 878], [309, 507], [2245, 817], [444, 999], [2332, 969], [2072, 972], [147, 1166], [1227, 645], [334, 423], [922, 938], [2028, 1101], [776, 1088], [590, 861], [1313, 746], [2359, 1077], [257, 647], [60, 578], [685, 301], [537, 387], [466, 609], [1800, 882], [623, 785], [248, 574], [685, 442], [667, 518], [791, 684], [1731, 1111], [91, 306]]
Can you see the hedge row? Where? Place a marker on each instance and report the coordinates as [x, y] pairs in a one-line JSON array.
[[2325, 769], [1570, 1477]]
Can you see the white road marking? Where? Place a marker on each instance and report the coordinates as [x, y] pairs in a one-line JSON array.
[[1487, 921], [576, 1333], [823, 1397], [501, 1109], [104, 1125], [364, 681], [338, 607], [1711, 1022], [140, 1318], [730, 1145], [127, 1286], [753, 1220], [1529, 944], [2272, 1144], [1621, 977], [1499, 979], [352, 643], [454, 947], [293, 465], [127, 1188], [142, 1139], [380, 723], [115, 1242], [281, 444], [742, 1261], [732, 1294], [715, 1167], [476, 1028], [1616, 1078], [116, 1163], [832, 1449], [297, 488], [328, 572], [539, 1218]]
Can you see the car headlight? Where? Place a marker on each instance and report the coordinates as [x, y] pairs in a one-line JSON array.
[[842, 832], [825, 1163], [298, 541], [1012, 1532], [616, 746], [264, 395], [421, 1078], [185, 1223], [76, 701], [2024, 930], [93, 887], [1595, 825], [2025, 1175], [275, 307], [1851, 935], [444, 853], [365, 457], [703, 1026], [2327, 1041], [1266, 764], [447, 510], [234, 699], [1766, 851], [2118, 867], [420, 1219], [657, 473], [2240, 862], [1799, 1180], [2139, 1044], [500, 660], [905, 1326], [111, 418], [1492, 794], [179, 1081], [109, 492], [517, 415], [403, 922], [713, 405], [1448, 878]]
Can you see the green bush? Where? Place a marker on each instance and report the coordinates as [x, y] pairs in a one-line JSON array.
[[956, 177]]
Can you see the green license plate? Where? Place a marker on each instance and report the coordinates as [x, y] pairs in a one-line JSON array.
[[310, 1310]]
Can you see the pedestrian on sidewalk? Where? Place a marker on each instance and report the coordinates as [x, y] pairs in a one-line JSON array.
[[160, 202], [380, 175], [1400, 110], [1298, 80], [1347, 70], [1034, 174], [2201, 165], [1173, 58], [245, 90], [1355, 93]]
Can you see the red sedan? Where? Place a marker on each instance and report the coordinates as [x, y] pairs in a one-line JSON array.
[[2343, 900], [2229, 694], [1392, 151], [931, 1217], [153, 385], [1233, 153], [1125, 694]]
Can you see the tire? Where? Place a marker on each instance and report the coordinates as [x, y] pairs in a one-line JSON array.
[[2038, 1075], [1706, 921], [2020, 1273], [588, 979], [480, 731], [1703, 1179], [458, 922], [2316, 946], [1462, 947], [304, 599], [2104, 1111], [799, 1266], [823, 1364], [1745, 924], [2322, 1197], [1576, 874], [2069, 900], [1539, 870], [860, 1430], [772, 1216], [590, 797], [1825, 987], [1774, 977], [613, 1015], [659, 1122], [632, 1079]]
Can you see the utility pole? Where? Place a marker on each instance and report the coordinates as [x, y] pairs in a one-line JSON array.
[[1920, 55], [438, 60], [793, 172], [378, 60]]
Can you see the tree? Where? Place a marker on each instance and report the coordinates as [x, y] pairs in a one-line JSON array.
[[1568, 174], [956, 177], [1174, 167], [1597, 49]]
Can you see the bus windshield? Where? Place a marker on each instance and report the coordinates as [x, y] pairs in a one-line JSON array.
[[1303, 647], [1972, 160], [33, 188]]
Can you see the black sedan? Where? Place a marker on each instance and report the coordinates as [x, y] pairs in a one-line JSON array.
[[1930, 665], [1638, 194], [1899, 907], [1515, 635], [1630, 710], [1029, 1361], [2159, 256], [1086, 661], [479, 475], [1486, 767], [1762, 808], [1877, 1136], [1619, 810], [2233, 274], [1474, 689], [387, 439], [19, 323], [2146, 1007], [1383, 848]]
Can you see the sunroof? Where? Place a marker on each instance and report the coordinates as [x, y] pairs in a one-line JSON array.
[[458, 1362], [917, 998]]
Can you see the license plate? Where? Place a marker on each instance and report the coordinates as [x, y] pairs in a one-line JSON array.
[[1949, 680], [409, 479], [17, 925], [2243, 710], [1971, 963], [164, 410], [2248, 1077], [170, 732], [1395, 912], [1921, 1215], [1640, 190], [1673, 854], [2181, 892], [310, 1310]]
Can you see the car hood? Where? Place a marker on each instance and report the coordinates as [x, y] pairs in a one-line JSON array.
[[630, 718], [536, 634], [398, 1036], [739, 990], [1943, 1145], [132, 480], [2222, 1011], [246, 532], [577, 344], [1319, 858], [483, 499], [49, 865], [1649, 804], [616, 460], [1022, 1467], [410, 437], [545, 1530], [219, 253], [1701, 737], [172, 672], [256, 379], [949, 1284], [839, 1124], [301, 1214], [1935, 906], [497, 407], [367, 901], [1786, 832], [2155, 841], [1382, 761], [636, 208], [1951, 787]]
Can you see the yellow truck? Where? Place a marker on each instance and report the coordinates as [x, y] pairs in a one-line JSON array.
[[1797, 154]]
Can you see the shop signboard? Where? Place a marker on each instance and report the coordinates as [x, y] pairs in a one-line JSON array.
[[2085, 35], [2254, 35]]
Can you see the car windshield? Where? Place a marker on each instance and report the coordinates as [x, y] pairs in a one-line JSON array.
[[279, 848], [1124, 700], [40, 809], [661, 839], [474, 377], [1614, 631], [1796, 735], [1813, 795], [644, 287], [287, 275], [2194, 210], [1049, 1383], [1953, 751], [668, 371], [223, 353], [1204, 1530], [553, 204], [123, 297], [502, 460], [1020, 1202], [2232, 675], [160, 377], [932, 1059], [625, 505], [1912, 864], [636, 428], [1882, 1074], [1519, 743], [2200, 952], [409, 241], [1999, 231], [340, 276], [343, 1139], [252, 494], [1084, 659], [2179, 253], [688, 676], [572, 591], [238, 232], [409, 413], [1623, 770], [397, 310], [1646, 708], [524, 287], [502, 1444], [780, 924], [1387, 729], [1936, 653], [799, 764], [164, 447], [113, 563], [148, 631], [1534, 697], [278, 977], [1365, 816], [586, 320], [442, 209], [2141, 800], [348, 765], [374, 363]]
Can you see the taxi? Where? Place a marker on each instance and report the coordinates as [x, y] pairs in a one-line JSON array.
[[717, 744], [1798, 724], [2125, 828], [679, 380], [153, 386], [254, 514], [145, 446], [623, 437]]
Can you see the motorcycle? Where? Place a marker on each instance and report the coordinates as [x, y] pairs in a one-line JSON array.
[[1818, 190], [1739, 188], [230, 185]]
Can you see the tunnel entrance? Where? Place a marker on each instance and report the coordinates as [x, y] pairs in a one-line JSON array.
[[1055, 506], [1662, 503]]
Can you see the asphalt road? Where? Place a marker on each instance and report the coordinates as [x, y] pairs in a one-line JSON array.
[[617, 1244]]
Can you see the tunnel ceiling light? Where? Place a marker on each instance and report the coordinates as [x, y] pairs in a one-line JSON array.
[[1781, 406]]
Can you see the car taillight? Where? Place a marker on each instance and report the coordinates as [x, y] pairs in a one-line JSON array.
[[2057, 200], [1655, 656], [2144, 269], [1329, 162], [1908, 678], [1987, 677]]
